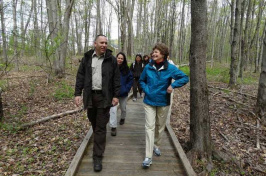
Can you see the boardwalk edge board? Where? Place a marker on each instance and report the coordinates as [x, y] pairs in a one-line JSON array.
[[183, 157], [78, 156]]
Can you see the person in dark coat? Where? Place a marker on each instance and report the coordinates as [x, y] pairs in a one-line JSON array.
[[126, 81], [136, 68], [98, 77]]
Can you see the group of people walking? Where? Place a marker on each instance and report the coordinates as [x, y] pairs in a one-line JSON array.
[[104, 81]]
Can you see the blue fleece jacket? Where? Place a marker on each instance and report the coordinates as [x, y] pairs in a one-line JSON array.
[[155, 82]]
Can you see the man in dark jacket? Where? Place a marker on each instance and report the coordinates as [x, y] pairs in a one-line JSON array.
[[99, 78]]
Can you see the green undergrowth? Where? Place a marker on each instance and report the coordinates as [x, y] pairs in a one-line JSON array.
[[220, 73], [63, 91]]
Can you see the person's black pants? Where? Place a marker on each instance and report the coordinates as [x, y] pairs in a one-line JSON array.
[[136, 86], [99, 117]]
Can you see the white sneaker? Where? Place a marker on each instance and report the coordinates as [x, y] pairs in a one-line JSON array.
[[134, 99]]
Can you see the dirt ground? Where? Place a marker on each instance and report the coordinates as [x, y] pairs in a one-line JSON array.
[[48, 148], [233, 129]]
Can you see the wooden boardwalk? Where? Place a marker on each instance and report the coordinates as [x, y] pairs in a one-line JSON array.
[[125, 152]]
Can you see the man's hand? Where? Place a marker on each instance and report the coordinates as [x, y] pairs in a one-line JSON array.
[[115, 101], [78, 100], [170, 89]]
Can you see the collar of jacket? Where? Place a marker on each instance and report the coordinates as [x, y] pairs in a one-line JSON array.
[[107, 54], [165, 64]]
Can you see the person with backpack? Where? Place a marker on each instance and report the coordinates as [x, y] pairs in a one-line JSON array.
[[126, 81], [136, 68]]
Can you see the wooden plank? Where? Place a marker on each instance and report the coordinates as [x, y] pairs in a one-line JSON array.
[[133, 166], [77, 158], [183, 157], [180, 151], [136, 172]]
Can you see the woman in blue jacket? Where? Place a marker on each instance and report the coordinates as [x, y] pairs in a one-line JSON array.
[[126, 81], [156, 82]]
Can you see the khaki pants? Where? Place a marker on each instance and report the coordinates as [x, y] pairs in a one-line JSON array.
[[155, 117]]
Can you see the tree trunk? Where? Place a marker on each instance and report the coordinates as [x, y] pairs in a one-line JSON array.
[[123, 26], [73, 43], [250, 44], [200, 134], [261, 45], [172, 27], [212, 30], [87, 24], [24, 29], [245, 41], [78, 31], [240, 54], [15, 33], [36, 30], [181, 30], [63, 46], [139, 28], [3, 32], [130, 10], [255, 38], [235, 47], [99, 29], [145, 27], [232, 20], [261, 98], [1, 106]]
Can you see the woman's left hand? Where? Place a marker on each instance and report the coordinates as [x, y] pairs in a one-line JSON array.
[[170, 89]]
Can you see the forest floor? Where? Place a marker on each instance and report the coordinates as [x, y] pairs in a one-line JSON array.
[[234, 129], [48, 148]]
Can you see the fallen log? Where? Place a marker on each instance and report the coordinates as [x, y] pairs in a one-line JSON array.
[[44, 119], [245, 94]]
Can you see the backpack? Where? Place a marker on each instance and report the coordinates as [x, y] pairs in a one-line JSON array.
[[141, 64]]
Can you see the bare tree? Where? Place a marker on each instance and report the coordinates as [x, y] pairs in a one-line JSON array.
[[181, 33], [15, 32], [245, 41], [99, 29], [255, 37], [87, 19], [59, 32], [25, 28], [261, 98], [235, 47], [3, 31], [130, 10], [64, 42], [172, 26], [200, 130]]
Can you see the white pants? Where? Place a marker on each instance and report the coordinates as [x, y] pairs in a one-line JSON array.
[[155, 117], [113, 112]]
